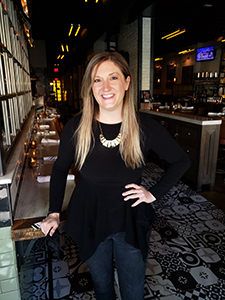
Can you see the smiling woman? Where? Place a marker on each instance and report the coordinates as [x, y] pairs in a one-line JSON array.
[[110, 213], [109, 87], [122, 106]]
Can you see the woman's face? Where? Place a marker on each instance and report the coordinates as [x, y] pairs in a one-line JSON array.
[[109, 86]]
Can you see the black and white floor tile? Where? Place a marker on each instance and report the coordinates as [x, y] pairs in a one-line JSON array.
[[185, 262]]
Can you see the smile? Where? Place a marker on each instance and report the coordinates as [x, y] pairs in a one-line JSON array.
[[107, 96]]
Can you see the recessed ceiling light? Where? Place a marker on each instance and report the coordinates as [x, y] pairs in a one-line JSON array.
[[207, 5]]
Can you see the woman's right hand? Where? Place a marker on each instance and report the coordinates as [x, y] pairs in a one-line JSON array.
[[50, 223]]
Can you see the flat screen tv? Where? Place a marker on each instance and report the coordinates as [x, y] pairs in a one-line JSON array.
[[206, 53]]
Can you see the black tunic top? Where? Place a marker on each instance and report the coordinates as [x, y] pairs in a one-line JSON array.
[[97, 208]]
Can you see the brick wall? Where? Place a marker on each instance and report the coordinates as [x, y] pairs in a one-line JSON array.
[[100, 45], [128, 42]]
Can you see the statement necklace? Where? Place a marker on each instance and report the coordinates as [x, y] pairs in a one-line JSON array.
[[109, 143]]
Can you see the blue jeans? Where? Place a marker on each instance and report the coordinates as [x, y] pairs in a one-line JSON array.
[[129, 264]]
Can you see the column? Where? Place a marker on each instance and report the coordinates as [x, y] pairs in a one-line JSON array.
[[146, 54]]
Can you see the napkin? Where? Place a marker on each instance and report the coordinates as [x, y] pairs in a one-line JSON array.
[[44, 126], [54, 116], [42, 179], [46, 133], [47, 119], [50, 158], [50, 141], [215, 114], [52, 132], [187, 107], [164, 107]]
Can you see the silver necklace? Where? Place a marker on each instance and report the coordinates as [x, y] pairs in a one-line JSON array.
[[109, 143]]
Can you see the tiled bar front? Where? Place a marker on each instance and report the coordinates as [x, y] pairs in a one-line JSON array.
[[9, 281]]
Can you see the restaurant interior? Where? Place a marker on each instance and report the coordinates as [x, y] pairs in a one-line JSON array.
[[176, 51], [176, 72]]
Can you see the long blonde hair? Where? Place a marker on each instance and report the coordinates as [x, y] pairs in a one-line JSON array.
[[130, 145]]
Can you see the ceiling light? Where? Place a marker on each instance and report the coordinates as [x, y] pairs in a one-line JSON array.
[[207, 5], [220, 38], [164, 37], [62, 47], [186, 51], [180, 32], [78, 28], [158, 58], [67, 48], [173, 34], [58, 57], [62, 56], [71, 28]]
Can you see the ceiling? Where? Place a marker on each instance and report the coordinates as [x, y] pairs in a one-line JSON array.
[[202, 22], [51, 20]]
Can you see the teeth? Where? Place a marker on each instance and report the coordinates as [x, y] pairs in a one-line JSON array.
[[107, 96]]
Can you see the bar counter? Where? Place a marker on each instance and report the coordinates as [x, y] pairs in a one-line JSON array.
[[199, 137], [186, 117]]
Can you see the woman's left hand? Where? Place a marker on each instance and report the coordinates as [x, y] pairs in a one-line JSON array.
[[137, 191]]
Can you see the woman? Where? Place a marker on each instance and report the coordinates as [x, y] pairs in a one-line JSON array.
[[110, 212]]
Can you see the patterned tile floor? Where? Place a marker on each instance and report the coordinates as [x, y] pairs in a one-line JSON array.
[[186, 257]]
